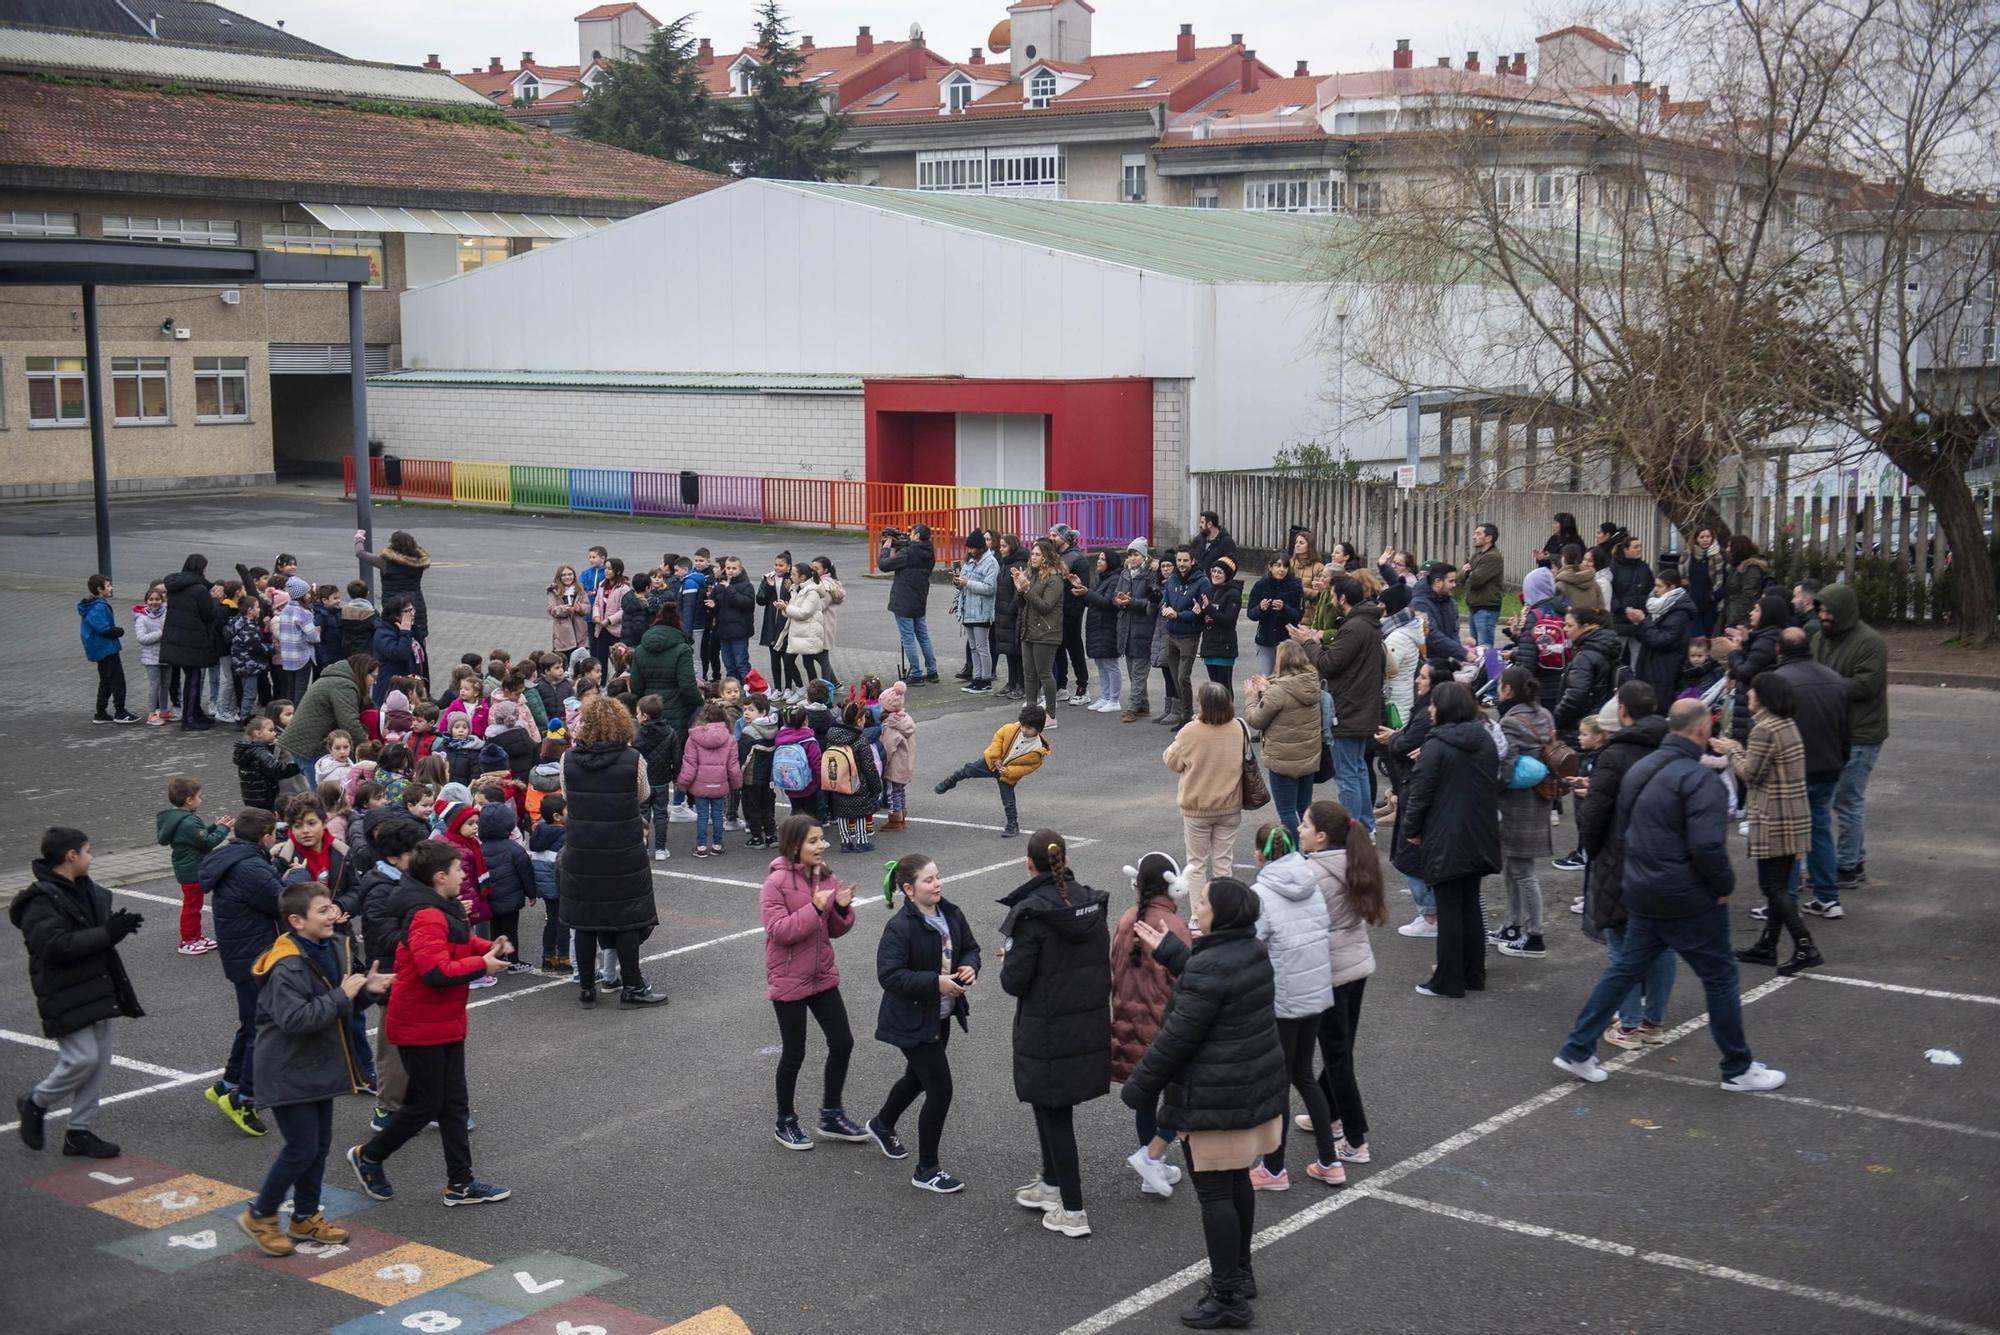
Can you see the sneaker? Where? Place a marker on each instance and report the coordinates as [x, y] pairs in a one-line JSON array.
[[374, 1180], [701, 850], [1819, 908], [679, 815], [1011, 831], [475, 1193], [208, 943], [1652, 1034], [1347, 1153], [1848, 878], [1051, 725], [1759, 1079], [1761, 913], [641, 996], [192, 948], [1618, 1036], [978, 688], [264, 1231], [122, 717], [1586, 1070], [660, 855], [486, 980], [1333, 1174], [790, 1135], [236, 1110], [1527, 948], [835, 1124], [943, 1183], [734, 824], [1417, 927], [379, 1120], [1107, 707], [100, 718], [316, 1227], [885, 1139], [1078, 697], [1569, 862], [930, 678], [86, 1145], [369, 1086], [520, 966], [944, 786], [1152, 1173], [1576, 905], [1500, 935], [33, 1120], [1039, 1195], [1261, 1179], [1069, 1223], [155, 719], [1425, 990]]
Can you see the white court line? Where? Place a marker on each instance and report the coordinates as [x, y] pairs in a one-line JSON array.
[[152, 898], [129, 1063], [1927, 1122], [196, 1079], [1898, 987], [1166, 1288], [707, 880], [1077, 840], [1707, 1269]]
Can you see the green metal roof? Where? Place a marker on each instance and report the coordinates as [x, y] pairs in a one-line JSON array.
[[687, 382], [1205, 245]]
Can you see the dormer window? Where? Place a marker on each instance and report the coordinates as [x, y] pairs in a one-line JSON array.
[[1041, 89], [1291, 109], [744, 77], [958, 95], [529, 89]]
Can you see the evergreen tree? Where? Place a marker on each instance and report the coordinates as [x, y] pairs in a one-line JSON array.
[[782, 131], [658, 105]]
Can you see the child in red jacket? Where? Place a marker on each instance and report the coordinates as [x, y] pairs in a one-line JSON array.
[[439, 956]]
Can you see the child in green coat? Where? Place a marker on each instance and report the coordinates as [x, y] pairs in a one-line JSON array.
[[182, 830]]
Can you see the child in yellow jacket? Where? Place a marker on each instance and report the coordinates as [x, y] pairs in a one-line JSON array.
[[1015, 752]]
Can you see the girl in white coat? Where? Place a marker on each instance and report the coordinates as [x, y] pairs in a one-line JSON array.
[[1349, 874], [805, 623], [1293, 925]]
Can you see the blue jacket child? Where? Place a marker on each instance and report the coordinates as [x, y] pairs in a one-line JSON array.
[[100, 629]]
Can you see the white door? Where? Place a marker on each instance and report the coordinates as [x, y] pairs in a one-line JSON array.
[[1001, 450]]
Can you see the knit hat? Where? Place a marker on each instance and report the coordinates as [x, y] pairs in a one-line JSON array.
[[503, 712], [1139, 545], [453, 794], [297, 587], [1395, 597], [894, 697], [1066, 533], [280, 600], [453, 815], [975, 541]]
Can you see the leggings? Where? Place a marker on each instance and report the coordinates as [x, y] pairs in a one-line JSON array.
[[1337, 1026], [1773, 878], [1228, 1218], [190, 697], [1146, 1122], [1222, 672], [1013, 658], [1056, 1129], [926, 1070], [784, 671], [1296, 1037], [1043, 687], [816, 667], [627, 946], [830, 1012]]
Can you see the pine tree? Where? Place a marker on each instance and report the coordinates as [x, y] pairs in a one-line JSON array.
[[658, 105], [782, 131]]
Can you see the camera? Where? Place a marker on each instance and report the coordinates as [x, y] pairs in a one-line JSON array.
[[896, 537]]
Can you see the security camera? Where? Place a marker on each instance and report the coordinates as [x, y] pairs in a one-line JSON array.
[[167, 326]]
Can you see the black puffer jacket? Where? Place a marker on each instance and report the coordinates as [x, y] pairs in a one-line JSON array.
[[1596, 823], [1664, 645], [1077, 562], [1219, 615], [908, 960], [1449, 822], [510, 874], [910, 594], [187, 637], [1100, 626], [1825, 718], [606, 878], [1758, 654], [1352, 667], [768, 593], [859, 804], [243, 889], [1591, 677], [1058, 963], [1216, 1064], [77, 975], [1631, 586], [1674, 815], [386, 905], [1006, 605], [735, 608]]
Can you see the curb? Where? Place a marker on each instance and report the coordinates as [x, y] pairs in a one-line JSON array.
[[1965, 681]]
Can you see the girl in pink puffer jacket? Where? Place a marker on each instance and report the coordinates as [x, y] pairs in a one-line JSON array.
[[710, 772], [803, 907]]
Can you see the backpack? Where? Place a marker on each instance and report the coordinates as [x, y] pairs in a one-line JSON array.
[[1562, 763], [1551, 642], [789, 768], [839, 772], [546, 777]]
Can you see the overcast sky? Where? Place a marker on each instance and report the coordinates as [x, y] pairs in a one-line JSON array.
[[1332, 37]]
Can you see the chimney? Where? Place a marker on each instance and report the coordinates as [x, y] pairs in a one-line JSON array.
[[431, 62], [918, 63], [1502, 68], [1403, 57], [1302, 72], [1663, 101], [1472, 62], [493, 65], [1236, 39], [1247, 80], [978, 56], [806, 45], [1184, 44], [527, 58], [1521, 63], [704, 53], [864, 41], [1444, 62]]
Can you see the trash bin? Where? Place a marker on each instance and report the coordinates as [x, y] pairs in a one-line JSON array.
[[392, 470], [374, 449], [690, 488]]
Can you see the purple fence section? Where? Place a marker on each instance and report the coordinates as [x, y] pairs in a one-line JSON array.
[[731, 496]]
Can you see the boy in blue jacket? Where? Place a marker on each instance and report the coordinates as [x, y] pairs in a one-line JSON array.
[[101, 634]]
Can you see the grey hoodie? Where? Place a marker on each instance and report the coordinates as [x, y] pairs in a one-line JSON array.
[[1293, 924]]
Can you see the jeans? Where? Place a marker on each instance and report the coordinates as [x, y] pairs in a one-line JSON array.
[[1703, 941], [1107, 679], [1039, 676], [926, 1071], [1228, 1218], [1425, 897], [654, 809], [239, 1072], [1183, 656], [1267, 659], [1850, 804], [1137, 667], [1485, 621], [1337, 1027], [1821, 865], [830, 1012], [82, 1057], [916, 635], [1211, 848], [1524, 895], [436, 1093], [159, 699], [1292, 795], [300, 1167], [357, 1038], [976, 769], [110, 686], [708, 813], [1350, 779], [1055, 1128], [246, 696], [979, 643], [736, 659], [1297, 1037], [555, 936], [1646, 1003]]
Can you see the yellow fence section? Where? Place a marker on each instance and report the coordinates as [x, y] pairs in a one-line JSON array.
[[481, 484], [932, 496]]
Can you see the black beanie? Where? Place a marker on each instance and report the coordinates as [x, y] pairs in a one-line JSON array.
[[1395, 597]]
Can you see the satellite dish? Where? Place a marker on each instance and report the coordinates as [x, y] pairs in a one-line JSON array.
[[916, 32]]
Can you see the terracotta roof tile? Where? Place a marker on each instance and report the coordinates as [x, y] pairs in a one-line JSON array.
[[1591, 35], [1111, 87], [837, 64], [1300, 90], [610, 12], [89, 128]]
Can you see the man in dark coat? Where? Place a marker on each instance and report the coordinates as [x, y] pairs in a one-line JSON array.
[[243, 889], [1673, 816], [1211, 543], [72, 934], [1072, 657], [1854, 649], [1592, 674], [1643, 728], [1825, 719], [1136, 593], [1435, 601], [1352, 667], [187, 636], [909, 596], [1448, 834]]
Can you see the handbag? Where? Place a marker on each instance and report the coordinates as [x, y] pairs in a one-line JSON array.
[[1255, 792]]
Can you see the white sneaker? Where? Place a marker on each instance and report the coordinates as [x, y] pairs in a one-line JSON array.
[[193, 948], [488, 981], [1590, 1072], [1417, 927], [736, 824], [1759, 1079], [679, 815], [659, 855], [1038, 1195], [1153, 1179], [1071, 1224], [1106, 707], [1304, 1122], [1050, 726], [1078, 698]]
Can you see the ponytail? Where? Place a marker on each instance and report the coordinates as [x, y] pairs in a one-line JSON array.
[[1275, 841], [901, 875], [1364, 865], [1048, 854]]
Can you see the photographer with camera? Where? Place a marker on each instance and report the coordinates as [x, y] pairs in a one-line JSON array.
[[911, 558]]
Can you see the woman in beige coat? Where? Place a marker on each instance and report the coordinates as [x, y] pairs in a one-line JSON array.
[[1285, 709], [1208, 755], [1771, 766]]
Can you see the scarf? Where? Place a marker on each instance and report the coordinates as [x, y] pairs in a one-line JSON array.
[[1656, 606]]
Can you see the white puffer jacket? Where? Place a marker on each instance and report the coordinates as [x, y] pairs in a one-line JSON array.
[[1348, 950], [805, 620], [1292, 924], [1403, 648]]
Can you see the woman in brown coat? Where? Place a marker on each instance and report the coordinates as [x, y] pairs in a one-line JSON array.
[[1207, 753], [1140, 986], [1771, 765], [1285, 709], [569, 609]]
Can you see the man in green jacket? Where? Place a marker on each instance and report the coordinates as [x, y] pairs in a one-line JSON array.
[[1482, 577], [1854, 649]]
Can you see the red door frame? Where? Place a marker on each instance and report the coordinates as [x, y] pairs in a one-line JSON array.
[[1100, 432]]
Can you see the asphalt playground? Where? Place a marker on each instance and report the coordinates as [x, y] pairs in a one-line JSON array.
[[649, 1195]]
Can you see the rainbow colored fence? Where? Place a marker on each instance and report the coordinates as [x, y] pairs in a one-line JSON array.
[[1100, 518]]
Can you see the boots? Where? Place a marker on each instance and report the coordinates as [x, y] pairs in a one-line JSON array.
[[894, 824], [641, 996], [1805, 955], [1765, 952], [1222, 1306]]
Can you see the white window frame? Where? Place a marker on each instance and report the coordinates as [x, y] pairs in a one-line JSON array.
[[295, 238], [1132, 178], [1041, 89], [222, 372], [743, 78], [1550, 190], [31, 222], [56, 370], [1291, 194], [1037, 171], [1509, 193], [1207, 197], [952, 172], [1369, 197], [178, 231], [490, 250], [142, 374], [958, 94]]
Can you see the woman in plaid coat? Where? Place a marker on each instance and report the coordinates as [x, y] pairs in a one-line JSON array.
[[1771, 765]]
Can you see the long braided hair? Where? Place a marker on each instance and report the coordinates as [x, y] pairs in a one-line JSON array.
[[1048, 854]]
